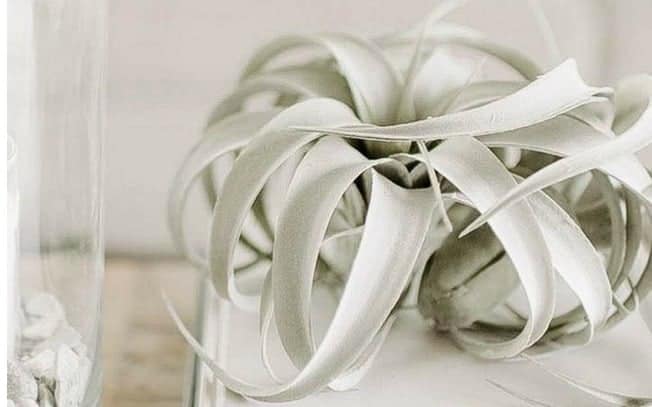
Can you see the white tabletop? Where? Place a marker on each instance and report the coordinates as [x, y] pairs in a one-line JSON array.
[[421, 367]]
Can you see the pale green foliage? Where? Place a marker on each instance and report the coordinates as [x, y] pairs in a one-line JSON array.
[[365, 163]]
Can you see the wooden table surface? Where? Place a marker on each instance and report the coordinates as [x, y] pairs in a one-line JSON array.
[[145, 358]]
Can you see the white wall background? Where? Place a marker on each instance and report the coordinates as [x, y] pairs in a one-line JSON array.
[[171, 60]]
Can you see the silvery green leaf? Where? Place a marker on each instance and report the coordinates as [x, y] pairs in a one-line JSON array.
[[434, 185], [273, 196], [552, 137], [546, 30], [552, 94], [562, 325], [576, 260], [374, 286], [440, 75], [634, 139], [266, 152], [407, 105], [477, 94], [631, 97], [598, 114], [265, 319], [356, 372], [221, 138], [479, 175], [375, 96], [321, 179], [302, 80], [456, 35]]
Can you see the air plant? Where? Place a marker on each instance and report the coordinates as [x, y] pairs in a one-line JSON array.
[[413, 180]]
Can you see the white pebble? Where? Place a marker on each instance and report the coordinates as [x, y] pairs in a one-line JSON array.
[[54, 368], [26, 403], [85, 368], [67, 376], [43, 305], [40, 328], [65, 335], [42, 364], [20, 383]]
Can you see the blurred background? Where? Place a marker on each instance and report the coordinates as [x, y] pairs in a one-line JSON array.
[[170, 61]]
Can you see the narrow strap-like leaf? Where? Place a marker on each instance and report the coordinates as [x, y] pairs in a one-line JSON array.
[[563, 327], [642, 289], [407, 107], [265, 319], [478, 174], [576, 260], [225, 136], [374, 286], [452, 34], [434, 185], [308, 80], [321, 179], [354, 373], [303, 80], [266, 152], [631, 97], [375, 96], [441, 75], [477, 94], [635, 138], [567, 136], [546, 30], [530, 105]]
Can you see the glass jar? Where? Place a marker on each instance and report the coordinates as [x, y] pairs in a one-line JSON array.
[[56, 101]]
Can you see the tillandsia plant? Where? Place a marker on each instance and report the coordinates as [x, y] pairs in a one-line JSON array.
[[393, 171]]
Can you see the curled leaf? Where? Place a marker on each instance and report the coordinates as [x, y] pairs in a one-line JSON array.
[[634, 139], [272, 146], [530, 105], [479, 175]]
